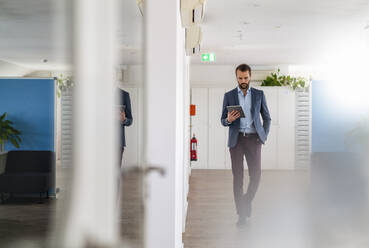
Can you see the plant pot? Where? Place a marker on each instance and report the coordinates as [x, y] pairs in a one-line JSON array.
[[2, 161]]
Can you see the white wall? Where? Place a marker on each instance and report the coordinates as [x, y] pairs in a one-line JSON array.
[[8, 69], [223, 75], [187, 137]]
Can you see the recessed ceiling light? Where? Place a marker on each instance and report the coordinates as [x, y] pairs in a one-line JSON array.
[[277, 26], [44, 60]]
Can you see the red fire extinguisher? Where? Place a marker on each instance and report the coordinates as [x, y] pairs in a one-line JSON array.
[[193, 148]]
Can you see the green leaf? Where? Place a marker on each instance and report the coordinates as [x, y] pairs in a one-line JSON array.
[[2, 117], [8, 132], [15, 143], [275, 79]]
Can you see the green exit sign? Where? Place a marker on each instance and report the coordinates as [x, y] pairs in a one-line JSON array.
[[208, 57]]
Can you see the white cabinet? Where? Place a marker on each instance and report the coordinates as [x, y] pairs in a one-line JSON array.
[[216, 131], [286, 148], [213, 153], [269, 153], [286, 107], [279, 150], [286, 128]]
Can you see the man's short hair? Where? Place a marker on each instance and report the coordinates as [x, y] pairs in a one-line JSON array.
[[243, 68]]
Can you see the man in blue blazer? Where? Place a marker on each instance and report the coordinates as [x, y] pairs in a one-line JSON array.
[[125, 117], [245, 137]]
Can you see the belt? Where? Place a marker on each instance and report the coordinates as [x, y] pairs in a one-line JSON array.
[[247, 134]]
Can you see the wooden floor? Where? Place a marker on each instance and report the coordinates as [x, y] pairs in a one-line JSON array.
[[25, 223], [281, 215], [25, 219], [132, 210], [284, 215]]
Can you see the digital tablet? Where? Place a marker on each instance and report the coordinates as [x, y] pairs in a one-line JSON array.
[[237, 108]]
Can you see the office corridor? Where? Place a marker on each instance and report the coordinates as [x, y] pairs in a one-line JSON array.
[[281, 215]]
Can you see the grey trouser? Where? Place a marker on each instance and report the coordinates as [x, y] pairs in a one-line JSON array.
[[248, 145]]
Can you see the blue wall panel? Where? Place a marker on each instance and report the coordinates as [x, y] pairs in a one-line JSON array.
[[30, 105]]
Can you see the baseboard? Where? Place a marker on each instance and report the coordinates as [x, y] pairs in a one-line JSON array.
[[185, 216]]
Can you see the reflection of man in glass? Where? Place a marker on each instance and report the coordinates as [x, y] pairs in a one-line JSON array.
[[125, 117]]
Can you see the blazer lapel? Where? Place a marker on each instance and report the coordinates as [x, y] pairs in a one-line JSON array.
[[253, 101], [235, 96]]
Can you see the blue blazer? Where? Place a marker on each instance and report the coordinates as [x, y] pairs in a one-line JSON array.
[[124, 99], [258, 106]]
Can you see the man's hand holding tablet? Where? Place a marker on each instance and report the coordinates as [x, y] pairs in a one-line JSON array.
[[234, 112]]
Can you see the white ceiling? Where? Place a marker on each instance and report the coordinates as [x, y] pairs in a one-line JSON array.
[[32, 31], [258, 32], [268, 32]]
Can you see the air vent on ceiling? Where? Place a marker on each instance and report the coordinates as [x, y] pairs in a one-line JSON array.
[[193, 40], [192, 12]]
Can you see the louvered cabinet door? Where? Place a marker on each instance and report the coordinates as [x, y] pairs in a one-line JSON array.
[[303, 128], [66, 127]]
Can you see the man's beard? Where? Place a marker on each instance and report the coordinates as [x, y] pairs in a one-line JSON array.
[[244, 86]]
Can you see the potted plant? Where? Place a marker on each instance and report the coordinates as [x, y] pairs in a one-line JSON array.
[[63, 83], [276, 79], [8, 133]]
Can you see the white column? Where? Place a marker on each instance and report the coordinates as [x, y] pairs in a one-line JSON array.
[[91, 213], [164, 123]]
